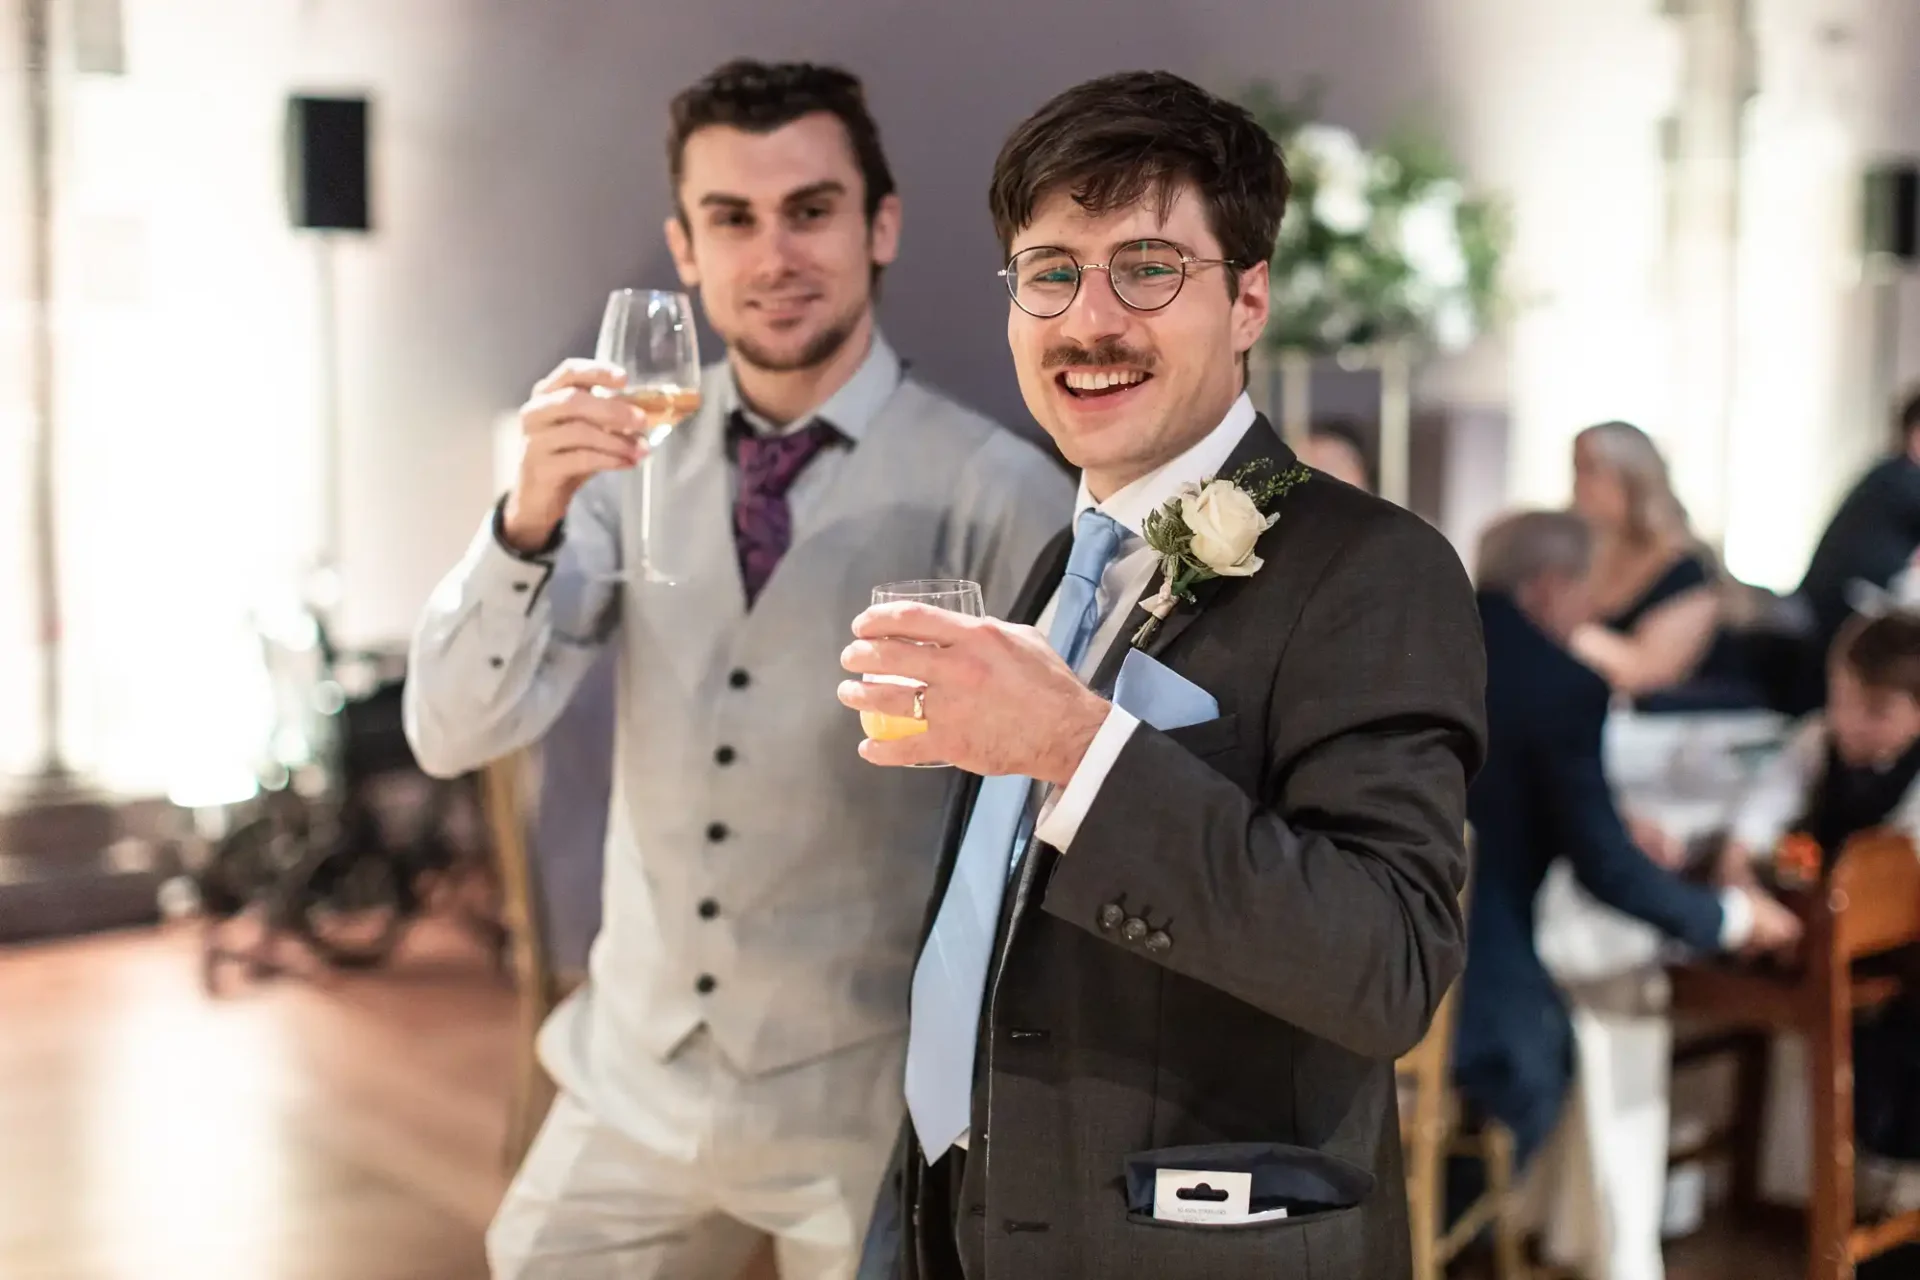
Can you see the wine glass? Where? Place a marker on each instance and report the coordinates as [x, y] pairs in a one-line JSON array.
[[956, 594], [649, 334]]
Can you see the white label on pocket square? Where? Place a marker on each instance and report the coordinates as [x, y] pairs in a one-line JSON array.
[[1197, 1195]]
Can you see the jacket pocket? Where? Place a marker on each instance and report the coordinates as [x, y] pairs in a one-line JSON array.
[[1308, 1184], [1209, 737]]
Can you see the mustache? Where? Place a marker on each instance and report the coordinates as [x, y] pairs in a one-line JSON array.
[[1111, 351]]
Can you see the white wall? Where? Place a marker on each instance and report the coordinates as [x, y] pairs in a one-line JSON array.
[[1805, 423], [519, 175], [17, 707], [1893, 128]]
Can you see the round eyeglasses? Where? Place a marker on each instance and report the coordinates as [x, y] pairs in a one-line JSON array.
[[1146, 275]]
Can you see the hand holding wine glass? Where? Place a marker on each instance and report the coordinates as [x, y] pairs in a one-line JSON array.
[[606, 414], [649, 335], [572, 431]]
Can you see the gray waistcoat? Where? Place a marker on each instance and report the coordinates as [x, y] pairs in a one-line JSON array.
[[760, 877]]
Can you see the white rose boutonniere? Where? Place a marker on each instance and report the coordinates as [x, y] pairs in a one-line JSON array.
[[1209, 530], [1225, 524]]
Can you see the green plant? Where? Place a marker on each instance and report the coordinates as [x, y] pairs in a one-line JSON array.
[[1378, 245]]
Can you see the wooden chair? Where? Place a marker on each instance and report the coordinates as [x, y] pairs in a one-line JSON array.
[[1868, 906], [537, 987], [1430, 1131]]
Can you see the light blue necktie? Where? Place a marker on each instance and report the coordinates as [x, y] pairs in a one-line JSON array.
[[950, 979]]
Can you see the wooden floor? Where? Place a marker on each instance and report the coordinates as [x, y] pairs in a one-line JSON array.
[[308, 1128], [315, 1127]]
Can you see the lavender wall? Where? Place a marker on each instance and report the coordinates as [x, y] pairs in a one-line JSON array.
[[519, 175]]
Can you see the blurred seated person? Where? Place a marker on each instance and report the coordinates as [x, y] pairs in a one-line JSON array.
[[1659, 638], [1336, 447], [1849, 768], [1540, 797], [1871, 538]]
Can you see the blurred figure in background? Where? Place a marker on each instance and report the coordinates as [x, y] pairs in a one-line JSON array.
[[1336, 447], [1871, 538], [733, 1064], [1851, 766], [1543, 796], [1854, 767], [1659, 638]]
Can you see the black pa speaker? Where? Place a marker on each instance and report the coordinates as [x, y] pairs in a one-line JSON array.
[[1893, 211], [327, 163]]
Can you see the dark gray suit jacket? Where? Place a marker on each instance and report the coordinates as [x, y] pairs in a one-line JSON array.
[[1295, 865]]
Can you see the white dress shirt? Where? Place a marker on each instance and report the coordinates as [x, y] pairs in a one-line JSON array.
[[1121, 587]]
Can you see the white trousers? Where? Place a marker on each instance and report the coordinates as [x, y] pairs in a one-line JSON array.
[[679, 1174]]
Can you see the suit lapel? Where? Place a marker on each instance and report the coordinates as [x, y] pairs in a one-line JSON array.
[[1260, 441]]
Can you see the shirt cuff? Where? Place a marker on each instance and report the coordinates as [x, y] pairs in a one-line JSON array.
[[498, 575], [1736, 919], [1066, 809], [544, 555]]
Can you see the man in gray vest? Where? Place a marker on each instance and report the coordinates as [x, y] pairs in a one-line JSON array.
[[733, 1065]]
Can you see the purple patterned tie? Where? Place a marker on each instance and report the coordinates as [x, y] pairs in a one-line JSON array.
[[762, 522]]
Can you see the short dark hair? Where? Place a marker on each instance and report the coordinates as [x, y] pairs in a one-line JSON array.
[[760, 97], [1910, 412], [1142, 134], [1883, 651]]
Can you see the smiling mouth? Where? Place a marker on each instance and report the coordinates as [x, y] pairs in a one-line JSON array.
[[785, 305], [1097, 384]]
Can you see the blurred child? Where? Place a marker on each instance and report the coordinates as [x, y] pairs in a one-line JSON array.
[[1851, 768]]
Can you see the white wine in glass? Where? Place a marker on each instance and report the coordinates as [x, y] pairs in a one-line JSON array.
[[649, 334], [956, 594], [664, 407]]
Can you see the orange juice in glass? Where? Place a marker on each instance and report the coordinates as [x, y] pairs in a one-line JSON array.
[[956, 594]]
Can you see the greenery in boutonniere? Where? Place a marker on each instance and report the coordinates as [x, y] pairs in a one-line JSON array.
[[1209, 530]]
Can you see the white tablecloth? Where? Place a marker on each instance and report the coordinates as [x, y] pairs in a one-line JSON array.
[[1602, 1183]]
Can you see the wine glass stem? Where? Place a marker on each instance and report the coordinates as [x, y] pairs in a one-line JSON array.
[[647, 515]]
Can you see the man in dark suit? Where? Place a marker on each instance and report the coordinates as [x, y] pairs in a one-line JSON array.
[[1543, 796], [1871, 538], [1179, 935]]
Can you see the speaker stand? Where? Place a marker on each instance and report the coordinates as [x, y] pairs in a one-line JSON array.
[[326, 307]]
